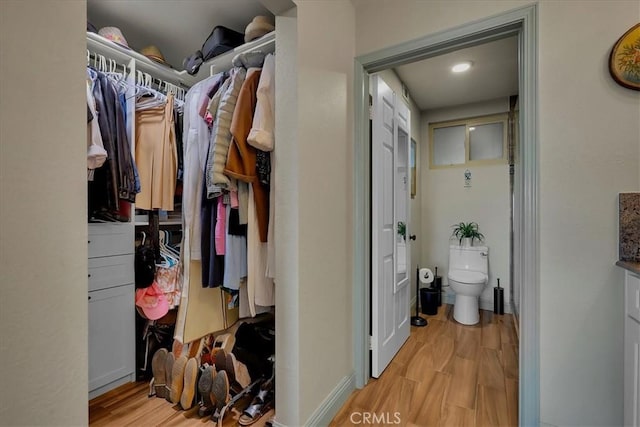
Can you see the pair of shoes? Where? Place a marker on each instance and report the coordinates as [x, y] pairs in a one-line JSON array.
[[262, 403], [159, 376], [204, 388], [184, 373]]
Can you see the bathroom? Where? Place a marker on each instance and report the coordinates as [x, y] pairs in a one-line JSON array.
[[453, 186]]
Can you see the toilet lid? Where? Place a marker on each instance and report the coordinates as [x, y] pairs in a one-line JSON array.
[[467, 276]]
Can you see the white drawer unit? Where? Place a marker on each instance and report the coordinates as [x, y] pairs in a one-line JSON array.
[[111, 306], [110, 239], [107, 272], [111, 338], [632, 350]]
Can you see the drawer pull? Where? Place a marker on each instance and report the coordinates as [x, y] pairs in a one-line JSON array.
[[89, 296]]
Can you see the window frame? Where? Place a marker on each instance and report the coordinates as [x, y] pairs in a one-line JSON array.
[[469, 122]]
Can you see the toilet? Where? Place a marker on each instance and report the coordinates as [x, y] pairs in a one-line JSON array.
[[468, 274]]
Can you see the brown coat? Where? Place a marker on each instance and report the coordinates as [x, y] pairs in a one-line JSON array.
[[241, 160]]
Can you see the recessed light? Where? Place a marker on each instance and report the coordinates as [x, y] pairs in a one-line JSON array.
[[461, 67], [472, 128]]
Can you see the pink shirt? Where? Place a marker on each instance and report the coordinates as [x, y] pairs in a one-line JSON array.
[[221, 227]]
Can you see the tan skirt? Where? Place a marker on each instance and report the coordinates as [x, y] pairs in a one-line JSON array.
[[156, 157]]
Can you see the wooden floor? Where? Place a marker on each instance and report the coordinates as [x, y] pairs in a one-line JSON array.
[[129, 406], [446, 374]]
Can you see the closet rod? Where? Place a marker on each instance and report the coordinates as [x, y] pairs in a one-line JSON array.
[[223, 62], [111, 50]]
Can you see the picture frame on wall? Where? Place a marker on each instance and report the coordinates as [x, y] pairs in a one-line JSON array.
[[412, 164], [624, 60]]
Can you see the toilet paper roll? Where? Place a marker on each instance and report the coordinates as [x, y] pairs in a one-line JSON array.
[[426, 276]]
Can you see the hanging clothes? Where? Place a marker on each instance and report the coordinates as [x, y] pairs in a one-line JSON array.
[[262, 137], [217, 157], [156, 156], [260, 288], [116, 180], [96, 154], [196, 137], [241, 160]]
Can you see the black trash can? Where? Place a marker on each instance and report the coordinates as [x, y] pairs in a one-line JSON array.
[[429, 301]]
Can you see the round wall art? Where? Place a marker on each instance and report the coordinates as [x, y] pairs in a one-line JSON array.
[[624, 61]]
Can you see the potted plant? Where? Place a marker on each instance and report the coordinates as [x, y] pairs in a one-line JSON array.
[[466, 233], [402, 230]]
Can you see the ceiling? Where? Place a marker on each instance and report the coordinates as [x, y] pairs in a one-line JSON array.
[[494, 74], [177, 27]]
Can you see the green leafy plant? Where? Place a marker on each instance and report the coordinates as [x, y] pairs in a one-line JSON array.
[[402, 230], [467, 229]]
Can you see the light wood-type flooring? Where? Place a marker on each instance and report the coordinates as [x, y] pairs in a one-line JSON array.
[[446, 374], [129, 405]]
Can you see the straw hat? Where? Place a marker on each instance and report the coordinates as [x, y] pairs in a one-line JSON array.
[[114, 34], [152, 52], [258, 27]]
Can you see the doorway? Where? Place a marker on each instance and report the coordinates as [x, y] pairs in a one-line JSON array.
[[520, 23]]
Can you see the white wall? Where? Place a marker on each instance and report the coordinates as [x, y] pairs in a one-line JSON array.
[[394, 82], [589, 151], [43, 232], [285, 158], [446, 201], [325, 198]]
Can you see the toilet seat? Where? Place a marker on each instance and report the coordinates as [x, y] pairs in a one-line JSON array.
[[471, 277]]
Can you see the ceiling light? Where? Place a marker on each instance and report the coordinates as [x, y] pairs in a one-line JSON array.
[[472, 128], [461, 67]]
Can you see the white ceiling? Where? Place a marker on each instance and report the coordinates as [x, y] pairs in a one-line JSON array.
[[177, 27], [494, 74]]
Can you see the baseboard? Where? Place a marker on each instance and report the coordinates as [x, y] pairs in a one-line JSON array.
[[483, 303], [112, 385], [328, 409]]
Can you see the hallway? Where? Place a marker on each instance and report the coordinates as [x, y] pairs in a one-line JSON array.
[[446, 374]]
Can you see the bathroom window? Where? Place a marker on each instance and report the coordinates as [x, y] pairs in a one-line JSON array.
[[479, 140]]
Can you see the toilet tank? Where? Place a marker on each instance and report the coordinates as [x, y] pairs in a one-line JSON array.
[[474, 258]]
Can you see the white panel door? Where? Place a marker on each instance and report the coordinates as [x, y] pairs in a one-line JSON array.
[[390, 293]]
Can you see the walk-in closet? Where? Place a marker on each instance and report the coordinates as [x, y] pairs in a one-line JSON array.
[[181, 158]]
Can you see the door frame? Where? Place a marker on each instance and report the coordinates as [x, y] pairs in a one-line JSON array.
[[521, 22]]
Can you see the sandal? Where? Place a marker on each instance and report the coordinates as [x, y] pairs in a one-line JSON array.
[[260, 405]]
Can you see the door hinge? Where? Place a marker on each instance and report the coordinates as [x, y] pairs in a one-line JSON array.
[[370, 343]]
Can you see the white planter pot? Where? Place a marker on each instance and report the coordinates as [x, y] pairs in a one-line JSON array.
[[467, 242]]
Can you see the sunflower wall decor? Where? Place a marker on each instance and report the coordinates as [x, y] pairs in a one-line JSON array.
[[624, 61]]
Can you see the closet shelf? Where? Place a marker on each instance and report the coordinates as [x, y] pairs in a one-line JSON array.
[[102, 46], [161, 223]]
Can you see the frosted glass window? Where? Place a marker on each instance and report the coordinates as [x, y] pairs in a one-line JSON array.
[[486, 141], [448, 145]]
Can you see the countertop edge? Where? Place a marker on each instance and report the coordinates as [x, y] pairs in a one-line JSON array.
[[633, 267]]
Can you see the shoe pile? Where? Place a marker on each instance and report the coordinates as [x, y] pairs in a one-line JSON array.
[[208, 374]]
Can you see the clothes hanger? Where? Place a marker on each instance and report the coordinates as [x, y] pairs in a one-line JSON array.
[[149, 97]]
